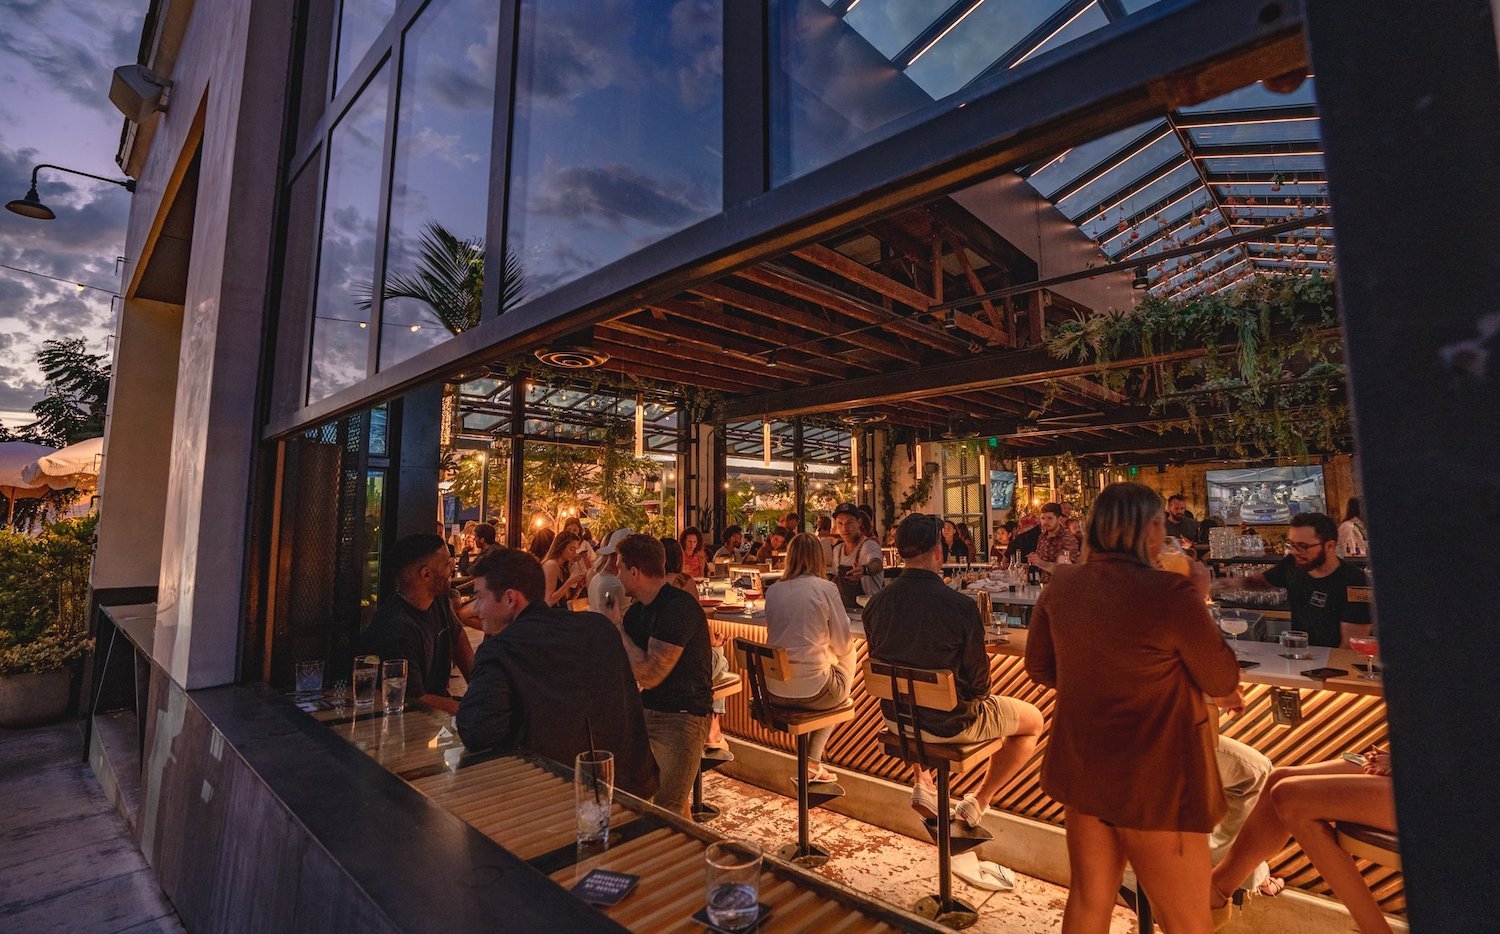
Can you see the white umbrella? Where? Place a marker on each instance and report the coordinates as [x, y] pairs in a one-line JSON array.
[[15, 456], [73, 466]]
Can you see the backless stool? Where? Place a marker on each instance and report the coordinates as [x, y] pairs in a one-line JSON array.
[[909, 689], [759, 662]]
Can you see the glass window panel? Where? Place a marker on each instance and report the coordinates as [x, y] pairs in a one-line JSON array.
[[618, 131], [1310, 190], [987, 33], [439, 177], [1278, 131], [890, 25], [1142, 200], [1090, 19], [1256, 96], [1144, 164], [360, 22], [1287, 165], [831, 90], [346, 264], [1080, 159], [1134, 6]]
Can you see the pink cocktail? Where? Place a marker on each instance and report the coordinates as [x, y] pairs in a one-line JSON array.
[[1369, 647]]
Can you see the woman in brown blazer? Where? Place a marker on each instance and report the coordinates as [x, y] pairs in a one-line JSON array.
[[1132, 652]]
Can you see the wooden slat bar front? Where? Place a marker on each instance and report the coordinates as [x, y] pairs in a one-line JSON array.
[[1344, 715], [526, 805]]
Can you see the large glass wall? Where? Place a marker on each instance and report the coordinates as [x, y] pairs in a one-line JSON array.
[[434, 267], [346, 258], [617, 134], [360, 21]]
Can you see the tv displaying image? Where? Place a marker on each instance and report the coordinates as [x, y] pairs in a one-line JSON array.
[[1265, 495], [1002, 489]]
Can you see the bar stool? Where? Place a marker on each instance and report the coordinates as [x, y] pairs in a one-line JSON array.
[[713, 758], [1362, 842], [909, 689], [759, 662]]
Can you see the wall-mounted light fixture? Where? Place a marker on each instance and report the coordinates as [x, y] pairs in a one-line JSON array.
[[31, 206]]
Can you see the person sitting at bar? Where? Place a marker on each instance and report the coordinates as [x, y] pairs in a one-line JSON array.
[[544, 677], [563, 585], [541, 543], [1329, 597], [734, 541], [1180, 522], [954, 548], [694, 560], [1056, 545], [1131, 653], [485, 541], [775, 546], [920, 622], [826, 538], [1023, 542], [1302, 802], [791, 523], [1353, 540], [605, 590], [857, 566], [1000, 541], [665, 634], [587, 550], [805, 616], [672, 562], [415, 620]]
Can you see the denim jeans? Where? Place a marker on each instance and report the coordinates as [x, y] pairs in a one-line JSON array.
[[677, 744], [834, 693]]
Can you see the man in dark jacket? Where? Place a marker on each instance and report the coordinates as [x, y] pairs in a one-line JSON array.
[[544, 676]]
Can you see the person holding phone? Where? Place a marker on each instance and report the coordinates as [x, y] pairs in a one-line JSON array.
[[1303, 802]]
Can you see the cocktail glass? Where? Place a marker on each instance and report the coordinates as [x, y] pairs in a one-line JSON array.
[[1233, 624], [1369, 647]]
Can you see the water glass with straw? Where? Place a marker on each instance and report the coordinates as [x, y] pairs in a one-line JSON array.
[[593, 792]]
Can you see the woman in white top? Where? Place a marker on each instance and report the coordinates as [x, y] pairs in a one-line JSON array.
[[1352, 540], [805, 616]]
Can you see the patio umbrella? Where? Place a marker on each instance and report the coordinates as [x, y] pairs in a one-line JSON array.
[[76, 465], [15, 456]]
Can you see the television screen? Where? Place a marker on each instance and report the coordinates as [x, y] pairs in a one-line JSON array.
[[1265, 495], [1002, 489]]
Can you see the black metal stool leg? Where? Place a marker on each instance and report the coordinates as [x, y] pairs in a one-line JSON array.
[[1143, 921], [944, 908], [804, 853], [701, 811]]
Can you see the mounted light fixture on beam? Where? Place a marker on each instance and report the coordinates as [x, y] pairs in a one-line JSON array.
[[765, 440], [854, 460], [640, 426], [919, 460]]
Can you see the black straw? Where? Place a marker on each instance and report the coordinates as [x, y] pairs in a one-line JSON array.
[[593, 759]]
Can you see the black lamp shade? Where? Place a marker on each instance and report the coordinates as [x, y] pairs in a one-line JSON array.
[[31, 206]]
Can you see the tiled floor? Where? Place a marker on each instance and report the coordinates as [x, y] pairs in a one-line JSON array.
[[66, 861], [887, 865]]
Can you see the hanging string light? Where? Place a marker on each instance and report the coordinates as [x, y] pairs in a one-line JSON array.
[[640, 426], [765, 440]]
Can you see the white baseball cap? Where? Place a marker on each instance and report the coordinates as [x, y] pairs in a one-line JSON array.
[[612, 543]]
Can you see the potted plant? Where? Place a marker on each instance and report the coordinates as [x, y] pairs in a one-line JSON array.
[[43, 620]]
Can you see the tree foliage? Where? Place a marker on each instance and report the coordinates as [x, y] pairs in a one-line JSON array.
[[77, 393]]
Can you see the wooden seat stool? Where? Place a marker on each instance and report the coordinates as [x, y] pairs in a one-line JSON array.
[[713, 758], [1378, 846], [909, 689], [759, 662]]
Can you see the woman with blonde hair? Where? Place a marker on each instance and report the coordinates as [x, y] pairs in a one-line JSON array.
[[1131, 652], [805, 616], [560, 554]]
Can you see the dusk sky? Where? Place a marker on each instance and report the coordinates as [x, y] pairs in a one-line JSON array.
[[55, 61]]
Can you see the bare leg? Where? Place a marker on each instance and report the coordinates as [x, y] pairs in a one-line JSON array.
[[1014, 753], [1096, 860], [1308, 804], [1174, 869], [923, 777], [1264, 832]]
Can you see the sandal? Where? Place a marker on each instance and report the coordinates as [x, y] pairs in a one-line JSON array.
[[1272, 887], [822, 775]]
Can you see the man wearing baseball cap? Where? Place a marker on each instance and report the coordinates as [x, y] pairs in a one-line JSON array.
[[606, 593]]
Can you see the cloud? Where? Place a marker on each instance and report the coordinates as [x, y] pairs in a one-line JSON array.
[[73, 47], [613, 196]]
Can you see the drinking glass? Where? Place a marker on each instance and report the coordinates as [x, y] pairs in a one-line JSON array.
[[1295, 643], [366, 670], [393, 684], [733, 896], [593, 794], [1235, 625], [1369, 647], [309, 677]]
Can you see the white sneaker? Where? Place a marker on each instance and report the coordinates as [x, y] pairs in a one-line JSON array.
[[970, 811], [924, 801]]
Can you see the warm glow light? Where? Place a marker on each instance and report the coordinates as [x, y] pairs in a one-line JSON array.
[[945, 32], [854, 457], [363, 325], [540, 522], [919, 460], [415, 328], [765, 440], [640, 427]]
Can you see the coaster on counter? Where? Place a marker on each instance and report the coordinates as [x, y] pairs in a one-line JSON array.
[[604, 888], [762, 910]]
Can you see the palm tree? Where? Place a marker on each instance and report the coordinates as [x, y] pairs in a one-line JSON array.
[[449, 279]]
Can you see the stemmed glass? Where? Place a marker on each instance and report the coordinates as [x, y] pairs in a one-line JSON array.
[[1234, 624], [1369, 647]]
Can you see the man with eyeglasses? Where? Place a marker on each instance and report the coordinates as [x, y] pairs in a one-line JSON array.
[[1330, 598]]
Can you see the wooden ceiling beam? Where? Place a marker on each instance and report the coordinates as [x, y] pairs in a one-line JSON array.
[[670, 351], [776, 311], [712, 339], [633, 362]]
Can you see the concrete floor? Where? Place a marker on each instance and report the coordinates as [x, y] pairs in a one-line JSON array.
[[887, 865], [67, 863]]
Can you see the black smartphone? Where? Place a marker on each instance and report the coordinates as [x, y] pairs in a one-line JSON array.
[[1322, 673], [1245, 663]]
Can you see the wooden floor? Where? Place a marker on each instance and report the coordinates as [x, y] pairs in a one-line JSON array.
[[66, 861]]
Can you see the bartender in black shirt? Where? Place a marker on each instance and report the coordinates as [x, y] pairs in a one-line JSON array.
[[1330, 598], [415, 620]]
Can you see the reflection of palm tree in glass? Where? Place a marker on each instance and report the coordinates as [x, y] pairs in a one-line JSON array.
[[449, 279]]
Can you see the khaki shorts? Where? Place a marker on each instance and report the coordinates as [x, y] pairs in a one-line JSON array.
[[996, 717]]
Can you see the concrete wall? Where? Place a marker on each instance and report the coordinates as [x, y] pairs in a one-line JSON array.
[[137, 437], [230, 77]]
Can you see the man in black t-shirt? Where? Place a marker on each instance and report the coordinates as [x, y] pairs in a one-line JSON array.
[[1330, 598], [1180, 522], [665, 634], [415, 621]]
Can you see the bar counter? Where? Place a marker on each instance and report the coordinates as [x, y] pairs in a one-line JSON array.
[[1341, 714]]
